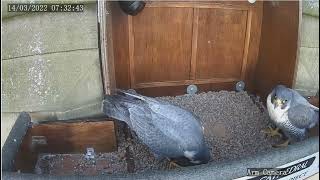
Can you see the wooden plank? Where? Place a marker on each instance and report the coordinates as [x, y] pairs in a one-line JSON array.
[[185, 82], [236, 5], [74, 137], [253, 49], [221, 43], [131, 51], [63, 138], [194, 43], [278, 46], [246, 45], [106, 46], [120, 46], [162, 45], [180, 90], [299, 48]]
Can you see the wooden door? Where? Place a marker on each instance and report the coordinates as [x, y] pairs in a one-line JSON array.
[[221, 43], [170, 45], [160, 45]]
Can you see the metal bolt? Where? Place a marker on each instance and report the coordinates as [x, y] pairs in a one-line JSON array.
[[192, 89], [240, 86]]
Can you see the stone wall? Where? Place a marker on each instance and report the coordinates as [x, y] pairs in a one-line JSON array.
[[50, 63], [307, 79]]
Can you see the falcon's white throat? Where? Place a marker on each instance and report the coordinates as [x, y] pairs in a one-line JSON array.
[[276, 113]]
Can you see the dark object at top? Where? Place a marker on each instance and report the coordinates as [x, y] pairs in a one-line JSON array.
[[132, 7]]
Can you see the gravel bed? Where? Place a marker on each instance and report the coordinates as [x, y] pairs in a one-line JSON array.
[[232, 120]]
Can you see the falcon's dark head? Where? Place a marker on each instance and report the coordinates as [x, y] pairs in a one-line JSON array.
[[194, 157], [202, 156], [281, 97]]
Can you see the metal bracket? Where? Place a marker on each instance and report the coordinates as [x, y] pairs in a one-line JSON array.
[[90, 154]]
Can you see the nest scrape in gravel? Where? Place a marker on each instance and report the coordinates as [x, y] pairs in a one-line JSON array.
[[232, 124]]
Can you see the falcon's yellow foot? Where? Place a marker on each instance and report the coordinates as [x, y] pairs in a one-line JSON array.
[[173, 165], [272, 132], [284, 144]]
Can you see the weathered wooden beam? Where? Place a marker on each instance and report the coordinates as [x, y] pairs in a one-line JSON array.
[[278, 46], [106, 46]]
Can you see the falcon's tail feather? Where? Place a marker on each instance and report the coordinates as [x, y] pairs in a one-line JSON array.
[[132, 93], [115, 106]]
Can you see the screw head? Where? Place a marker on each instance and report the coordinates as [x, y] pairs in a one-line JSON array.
[[240, 86], [192, 89]]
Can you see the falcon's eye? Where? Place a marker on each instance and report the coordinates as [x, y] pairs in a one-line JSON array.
[[284, 101]]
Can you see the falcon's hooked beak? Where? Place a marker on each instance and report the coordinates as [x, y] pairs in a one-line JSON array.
[[192, 158], [278, 102]]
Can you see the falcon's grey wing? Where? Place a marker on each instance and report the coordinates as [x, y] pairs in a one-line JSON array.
[[303, 116], [179, 124], [142, 120]]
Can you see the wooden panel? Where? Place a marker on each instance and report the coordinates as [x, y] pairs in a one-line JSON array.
[[120, 46], [63, 138], [203, 4], [195, 32], [278, 46], [186, 82], [221, 43], [75, 137], [253, 46], [160, 45], [138, 62], [182, 89], [106, 47]]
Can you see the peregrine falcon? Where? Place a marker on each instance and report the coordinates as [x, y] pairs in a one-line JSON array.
[[168, 130], [291, 113]]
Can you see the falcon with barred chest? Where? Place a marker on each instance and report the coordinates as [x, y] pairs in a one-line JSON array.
[[291, 113]]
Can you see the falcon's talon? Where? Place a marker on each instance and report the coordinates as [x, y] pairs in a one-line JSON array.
[[271, 132], [173, 165], [284, 144]]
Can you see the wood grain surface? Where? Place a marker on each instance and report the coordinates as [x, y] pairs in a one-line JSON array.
[[63, 138]]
